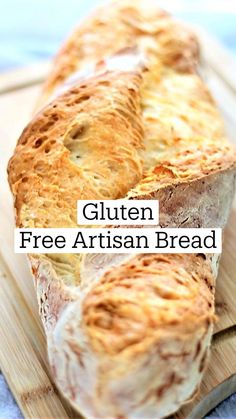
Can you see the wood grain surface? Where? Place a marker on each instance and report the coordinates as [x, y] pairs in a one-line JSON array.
[[23, 357]]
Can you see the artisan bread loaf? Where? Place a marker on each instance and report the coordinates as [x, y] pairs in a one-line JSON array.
[[125, 115]]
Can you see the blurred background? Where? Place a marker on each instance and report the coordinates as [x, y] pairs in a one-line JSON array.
[[32, 30]]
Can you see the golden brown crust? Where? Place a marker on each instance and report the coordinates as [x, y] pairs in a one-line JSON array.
[[136, 343], [122, 25], [140, 289], [179, 139], [84, 145], [128, 335]]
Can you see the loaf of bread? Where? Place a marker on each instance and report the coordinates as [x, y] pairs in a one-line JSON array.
[[124, 114]]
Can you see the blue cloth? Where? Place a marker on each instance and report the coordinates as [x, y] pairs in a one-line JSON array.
[[32, 30], [8, 407], [225, 410]]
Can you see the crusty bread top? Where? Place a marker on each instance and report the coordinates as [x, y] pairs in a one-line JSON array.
[[113, 135], [124, 296], [177, 135], [120, 25], [85, 145]]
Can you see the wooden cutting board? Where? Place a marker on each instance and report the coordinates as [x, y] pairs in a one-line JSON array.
[[23, 358]]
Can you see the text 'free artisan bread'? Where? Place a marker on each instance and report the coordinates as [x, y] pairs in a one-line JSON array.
[[124, 114]]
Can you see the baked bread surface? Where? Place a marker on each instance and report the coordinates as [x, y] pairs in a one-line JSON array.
[[126, 115]]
